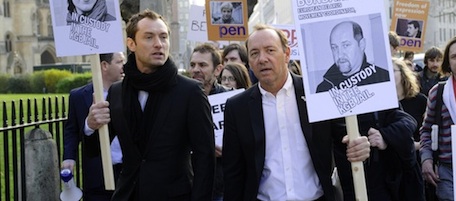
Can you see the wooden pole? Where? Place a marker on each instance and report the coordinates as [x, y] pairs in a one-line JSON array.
[[103, 132], [357, 167]]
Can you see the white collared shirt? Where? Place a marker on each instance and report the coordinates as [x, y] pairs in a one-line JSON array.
[[288, 172]]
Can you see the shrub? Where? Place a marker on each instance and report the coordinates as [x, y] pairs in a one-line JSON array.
[[52, 77], [77, 80], [4, 82], [19, 84], [37, 82]]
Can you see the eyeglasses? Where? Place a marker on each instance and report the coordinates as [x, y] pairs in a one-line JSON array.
[[229, 79]]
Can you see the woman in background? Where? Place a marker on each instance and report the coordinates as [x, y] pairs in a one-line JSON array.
[[408, 92], [235, 76]]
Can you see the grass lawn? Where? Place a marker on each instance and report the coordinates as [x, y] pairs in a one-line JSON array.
[[6, 100]]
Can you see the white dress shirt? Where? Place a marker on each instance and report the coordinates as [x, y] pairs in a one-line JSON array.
[[116, 151], [288, 172]]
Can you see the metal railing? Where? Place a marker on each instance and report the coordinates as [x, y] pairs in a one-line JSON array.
[[21, 117]]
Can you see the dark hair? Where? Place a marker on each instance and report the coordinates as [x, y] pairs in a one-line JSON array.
[[394, 39], [282, 37], [209, 48], [71, 6], [240, 74], [106, 57], [446, 68], [242, 50], [432, 53], [408, 54], [132, 25], [415, 24]]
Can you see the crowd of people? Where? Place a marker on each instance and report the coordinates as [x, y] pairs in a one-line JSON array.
[[163, 137]]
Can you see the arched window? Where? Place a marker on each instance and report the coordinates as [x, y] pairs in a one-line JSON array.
[[8, 43]]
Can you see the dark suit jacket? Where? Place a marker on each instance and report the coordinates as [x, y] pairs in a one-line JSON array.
[[80, 101], [184, 124], [244, 144]]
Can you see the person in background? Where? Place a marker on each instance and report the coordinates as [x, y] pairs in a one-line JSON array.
[[394, 41], [238, 53], [94, 9], [270, 150], [76, 131], [294, 67], [440, 174], [235, 76], [205, 66], [408, 93], [432, 72], [408, 57], [161, 118]]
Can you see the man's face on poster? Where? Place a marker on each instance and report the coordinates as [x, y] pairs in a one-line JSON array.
[[226, 14], [411, 30], [347, 52]]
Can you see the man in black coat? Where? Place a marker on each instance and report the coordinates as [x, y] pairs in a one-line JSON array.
[[160, 118]]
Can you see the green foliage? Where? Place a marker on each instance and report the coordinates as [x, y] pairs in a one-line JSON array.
[[68, 83], [52, 77], [37, 82], [4, 83], [19, 84]]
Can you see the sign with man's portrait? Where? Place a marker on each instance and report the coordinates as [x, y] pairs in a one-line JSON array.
[[409, 20], [346, 62], [227, 20], [87, 27]]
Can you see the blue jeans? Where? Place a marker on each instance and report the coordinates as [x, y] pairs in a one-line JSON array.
[[444, 189], [218, 198]]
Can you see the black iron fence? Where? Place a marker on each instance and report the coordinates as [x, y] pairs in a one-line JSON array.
[[18, 118]]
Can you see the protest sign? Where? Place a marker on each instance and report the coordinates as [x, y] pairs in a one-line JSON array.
[[217, 102], [409, 21], [343, 79], [197, 30], [290, 33], [98, 31], [90, 28], [227, 20]]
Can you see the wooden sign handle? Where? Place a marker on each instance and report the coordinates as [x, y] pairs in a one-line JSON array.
[[103, 132], [357, 167]]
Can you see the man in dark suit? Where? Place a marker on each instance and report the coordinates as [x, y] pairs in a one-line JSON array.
[[160, 118], [75, 130], [270, 150]]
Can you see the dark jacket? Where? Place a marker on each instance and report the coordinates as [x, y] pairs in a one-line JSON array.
[[79, 102], [333, 77], [244, 144], [162, 171], [426, 83], [391, 174]]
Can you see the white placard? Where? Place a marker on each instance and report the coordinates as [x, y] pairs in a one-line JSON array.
[[217, 102], [98, 32], [371, 88], [197, 30], [290, 32]]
